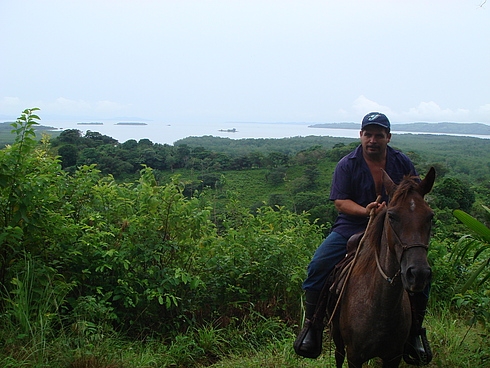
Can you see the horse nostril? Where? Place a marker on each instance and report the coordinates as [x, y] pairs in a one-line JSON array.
[[429, 276], [418, 275], [410, 276]]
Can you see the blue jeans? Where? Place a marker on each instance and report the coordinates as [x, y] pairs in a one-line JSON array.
[[329, 253]]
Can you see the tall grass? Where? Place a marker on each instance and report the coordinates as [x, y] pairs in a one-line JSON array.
[[454, 344], [254, 341], [32, 309]]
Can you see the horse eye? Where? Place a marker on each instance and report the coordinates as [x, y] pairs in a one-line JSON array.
[[393, 217]]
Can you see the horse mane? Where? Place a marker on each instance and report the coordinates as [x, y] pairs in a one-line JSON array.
[[370, 244]]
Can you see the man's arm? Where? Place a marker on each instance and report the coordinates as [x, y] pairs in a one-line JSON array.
[[349, 207]]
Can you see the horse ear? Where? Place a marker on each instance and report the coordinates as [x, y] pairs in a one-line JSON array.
[[425, 185], [390, 186]]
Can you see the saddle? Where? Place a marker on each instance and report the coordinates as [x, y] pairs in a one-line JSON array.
[[338, 275]]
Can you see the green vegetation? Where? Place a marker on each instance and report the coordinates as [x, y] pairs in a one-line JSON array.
[[445, 128], [142, 255], [6, 136]]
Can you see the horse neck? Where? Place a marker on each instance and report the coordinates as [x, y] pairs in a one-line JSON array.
[[386, 252], [377, 243], [371, 244], [388, 263]]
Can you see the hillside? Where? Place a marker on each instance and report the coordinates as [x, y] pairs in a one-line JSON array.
[[6, 137], [440, 128], [466, 156]]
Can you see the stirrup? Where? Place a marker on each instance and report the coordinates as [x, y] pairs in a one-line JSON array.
[[312, 351], [418, 355]]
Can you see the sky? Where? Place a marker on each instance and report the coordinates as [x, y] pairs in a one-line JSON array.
[[208, 61]]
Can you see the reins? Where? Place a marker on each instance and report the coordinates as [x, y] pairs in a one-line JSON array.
[[351, 266]]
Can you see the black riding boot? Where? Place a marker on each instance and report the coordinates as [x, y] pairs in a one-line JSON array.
[[417, 350], [309, 341]]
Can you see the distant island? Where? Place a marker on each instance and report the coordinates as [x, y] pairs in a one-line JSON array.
[[130, 123], [440, 128], [90, 123]]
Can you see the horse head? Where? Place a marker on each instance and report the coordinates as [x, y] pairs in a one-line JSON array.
[[408, 226]]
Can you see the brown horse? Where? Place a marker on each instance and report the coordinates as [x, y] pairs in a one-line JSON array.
[[373, 316]]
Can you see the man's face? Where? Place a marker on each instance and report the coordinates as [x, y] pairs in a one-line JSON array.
[[374, 140]]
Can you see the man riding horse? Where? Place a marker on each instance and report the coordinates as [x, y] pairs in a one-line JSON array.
[[357, 181]]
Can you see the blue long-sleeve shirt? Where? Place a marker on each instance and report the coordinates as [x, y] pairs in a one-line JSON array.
[[352, 180]]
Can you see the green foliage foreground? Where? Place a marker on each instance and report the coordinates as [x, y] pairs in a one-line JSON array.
[[96, 273], [86, 256]]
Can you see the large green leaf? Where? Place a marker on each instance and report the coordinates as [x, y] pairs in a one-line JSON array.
[[474, 276], [473, 224], [477, 244]]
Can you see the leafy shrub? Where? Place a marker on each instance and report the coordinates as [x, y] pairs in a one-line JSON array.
[[140, 256], [261, 261]]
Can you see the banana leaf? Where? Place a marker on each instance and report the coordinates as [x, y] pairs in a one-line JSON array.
[[473, 224]]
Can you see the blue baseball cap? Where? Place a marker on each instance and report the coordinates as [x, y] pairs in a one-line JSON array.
[[376, 118]]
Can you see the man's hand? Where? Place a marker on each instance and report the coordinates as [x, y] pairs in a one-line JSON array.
[[349, 207], [375, 208]]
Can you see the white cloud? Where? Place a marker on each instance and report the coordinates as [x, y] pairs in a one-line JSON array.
[[482, 115], [432, 112], [11, 105], [425, 112], [485, 109], [64, 107], [363, 105], [83, 107], [109, 107], [9, 101]]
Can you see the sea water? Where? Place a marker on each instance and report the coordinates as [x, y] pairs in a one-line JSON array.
[[168, 133]]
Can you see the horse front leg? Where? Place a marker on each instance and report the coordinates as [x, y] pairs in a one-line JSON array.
[[339, 357], [392, 363], [339, 347], [353, 360]]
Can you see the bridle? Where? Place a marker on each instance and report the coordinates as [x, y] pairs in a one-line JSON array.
[[405, 247]]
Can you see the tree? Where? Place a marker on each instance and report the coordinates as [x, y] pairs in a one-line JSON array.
[[454, 194], [30, 184], [276, 159], [151, 158], [240, 163], [312, 173], [96, 139], [70, 136], [340, 150], [276, 176], [145, 142], [68, 154], [310, 156], [210, 180], [183, 155], [130, 144], [89, 156]]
